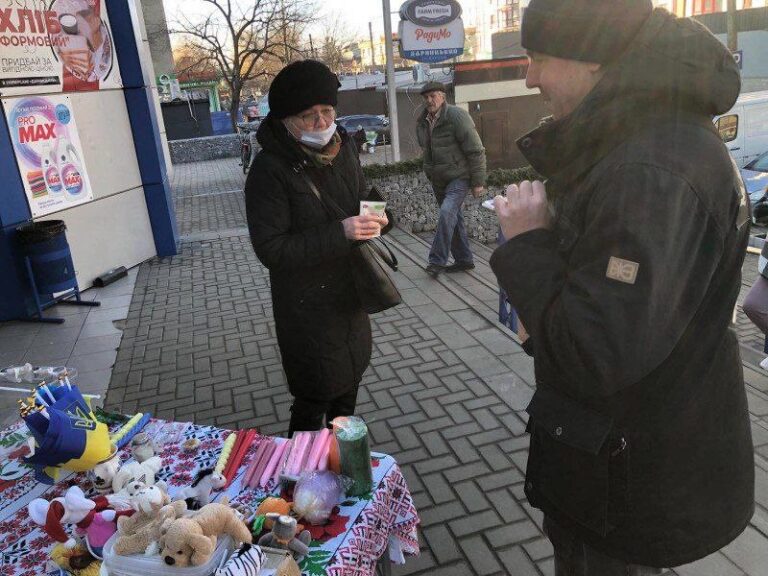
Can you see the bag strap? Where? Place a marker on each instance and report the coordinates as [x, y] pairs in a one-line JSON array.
[[389, 258]]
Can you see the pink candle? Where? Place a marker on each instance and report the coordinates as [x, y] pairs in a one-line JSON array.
[[323, 462], [252, 465], [301, 454], [317, 448], [254, 480], [282, 463], [272, 464], [256, 460]]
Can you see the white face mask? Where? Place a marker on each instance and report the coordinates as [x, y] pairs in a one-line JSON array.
[[319, 139]]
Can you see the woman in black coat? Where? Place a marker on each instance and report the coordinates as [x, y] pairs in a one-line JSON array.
[[323, 333]]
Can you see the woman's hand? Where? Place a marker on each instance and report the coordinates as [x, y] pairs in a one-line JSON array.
[[363, 227]]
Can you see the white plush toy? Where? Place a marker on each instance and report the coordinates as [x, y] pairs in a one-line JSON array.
[[199, 493], [104, 472], [132, 477]]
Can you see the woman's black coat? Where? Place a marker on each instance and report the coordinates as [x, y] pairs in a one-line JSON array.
[[323, 334]]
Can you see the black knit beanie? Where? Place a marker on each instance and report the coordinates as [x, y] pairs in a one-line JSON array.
[[301, 85], [587, 30]]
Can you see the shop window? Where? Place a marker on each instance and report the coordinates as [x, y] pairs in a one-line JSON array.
[[728, 126]]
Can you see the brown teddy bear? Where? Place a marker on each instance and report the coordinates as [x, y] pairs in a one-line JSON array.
[[192, 539], [140, 533]]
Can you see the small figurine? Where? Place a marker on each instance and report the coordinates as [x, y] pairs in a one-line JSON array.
[[199, 493], [283, 536], [142, 448]]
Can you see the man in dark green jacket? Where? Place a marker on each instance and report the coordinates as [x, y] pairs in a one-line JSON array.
[[454, 162], [625, 269]]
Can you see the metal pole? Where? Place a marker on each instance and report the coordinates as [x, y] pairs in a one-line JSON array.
[[373, 50], [733, 42], [391, 83]]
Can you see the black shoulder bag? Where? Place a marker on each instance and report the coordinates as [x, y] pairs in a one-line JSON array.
[[375, 288]]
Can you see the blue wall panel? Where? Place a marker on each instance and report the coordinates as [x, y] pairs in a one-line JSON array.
[[145, 128], [13, 211]]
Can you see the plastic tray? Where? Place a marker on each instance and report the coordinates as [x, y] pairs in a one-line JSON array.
[[140, 565]]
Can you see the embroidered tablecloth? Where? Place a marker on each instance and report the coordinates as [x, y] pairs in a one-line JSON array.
[[356, 536]]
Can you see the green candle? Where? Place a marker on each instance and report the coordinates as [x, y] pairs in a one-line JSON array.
[[354, 453]]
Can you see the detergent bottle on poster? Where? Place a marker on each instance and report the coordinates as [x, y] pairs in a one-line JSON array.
[[69, 169], [50, 170]]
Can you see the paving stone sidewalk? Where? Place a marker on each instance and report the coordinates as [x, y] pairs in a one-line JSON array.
[[445, 393]]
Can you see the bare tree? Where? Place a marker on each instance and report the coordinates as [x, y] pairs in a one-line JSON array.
[[241, 37], [334, 43]]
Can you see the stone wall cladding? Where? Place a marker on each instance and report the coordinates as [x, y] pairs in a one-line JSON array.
[[208, 148], [411, 198]]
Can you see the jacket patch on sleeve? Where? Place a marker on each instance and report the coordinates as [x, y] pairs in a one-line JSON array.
[[622, 270]]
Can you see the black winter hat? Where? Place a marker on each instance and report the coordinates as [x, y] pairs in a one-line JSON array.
[[301, 85], [587, 30]]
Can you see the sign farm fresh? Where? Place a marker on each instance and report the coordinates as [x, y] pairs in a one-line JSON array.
[[431, 30]]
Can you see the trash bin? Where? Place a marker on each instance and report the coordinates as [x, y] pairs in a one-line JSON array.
[[49, 260]]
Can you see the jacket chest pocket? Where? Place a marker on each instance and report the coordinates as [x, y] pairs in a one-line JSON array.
[[567, 235], [577, 464]]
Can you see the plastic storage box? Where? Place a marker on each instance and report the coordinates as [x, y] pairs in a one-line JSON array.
[[140, 565]]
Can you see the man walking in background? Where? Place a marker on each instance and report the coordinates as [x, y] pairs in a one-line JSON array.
[[454, 162], [625, 270]]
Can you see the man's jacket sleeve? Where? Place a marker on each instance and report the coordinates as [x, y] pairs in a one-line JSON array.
[[472, 147], [268, 210], [634, 279]]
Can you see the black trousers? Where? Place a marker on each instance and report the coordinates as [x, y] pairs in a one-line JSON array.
[[313, 413], [575, 558]]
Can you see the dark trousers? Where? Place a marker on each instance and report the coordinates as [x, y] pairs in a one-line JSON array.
[[310, 413], [575, 558]]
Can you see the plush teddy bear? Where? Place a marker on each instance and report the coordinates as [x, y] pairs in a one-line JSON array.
[[141, 532], [192, 539], [132, 477]]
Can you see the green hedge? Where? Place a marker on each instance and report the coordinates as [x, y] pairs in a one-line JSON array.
[[498, 177], [385, 170], [507, 176]]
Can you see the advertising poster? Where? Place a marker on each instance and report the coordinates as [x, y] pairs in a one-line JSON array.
[[431, 30], [48, 152], [56, 46]]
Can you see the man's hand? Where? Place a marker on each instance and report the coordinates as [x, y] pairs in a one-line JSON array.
[[524, 209], [477, 191], [363, 227]]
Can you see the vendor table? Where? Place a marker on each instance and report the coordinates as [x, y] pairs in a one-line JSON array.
[[358, 534]]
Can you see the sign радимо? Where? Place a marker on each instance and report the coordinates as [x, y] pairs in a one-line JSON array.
[[431, 30]]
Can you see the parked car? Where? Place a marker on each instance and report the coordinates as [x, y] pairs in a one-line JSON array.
[[369, 122], [755, 176], [744, 128]]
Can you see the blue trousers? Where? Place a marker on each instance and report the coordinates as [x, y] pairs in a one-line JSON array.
[[450, 235]]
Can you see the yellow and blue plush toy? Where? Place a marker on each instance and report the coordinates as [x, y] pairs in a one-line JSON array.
[[66, 433]]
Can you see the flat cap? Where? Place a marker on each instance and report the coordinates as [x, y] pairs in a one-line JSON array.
[[432, 87]]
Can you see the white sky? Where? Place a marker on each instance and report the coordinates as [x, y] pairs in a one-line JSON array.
[[354, 13]]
